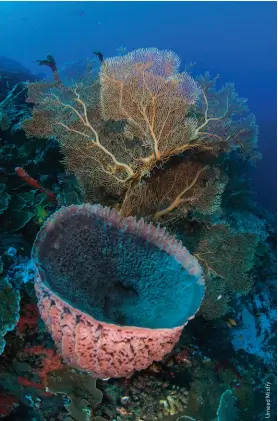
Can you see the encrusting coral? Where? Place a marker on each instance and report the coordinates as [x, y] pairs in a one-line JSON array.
[[81, 390], [9, 314]]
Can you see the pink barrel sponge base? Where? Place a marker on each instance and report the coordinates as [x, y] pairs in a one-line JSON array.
[[103, 349]]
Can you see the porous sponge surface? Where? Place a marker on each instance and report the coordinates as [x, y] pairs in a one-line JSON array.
[[116, 276], [114, 292]]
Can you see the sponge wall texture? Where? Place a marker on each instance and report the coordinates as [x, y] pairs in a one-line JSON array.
[[114, 292]]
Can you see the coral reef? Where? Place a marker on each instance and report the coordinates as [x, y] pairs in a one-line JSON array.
[[20, 207], [146, 396], [80, 389], [140, 136], [252, 339], [140, 113], [227, 250], [255, 332], [227, 410], [9, 315], [155, 142]]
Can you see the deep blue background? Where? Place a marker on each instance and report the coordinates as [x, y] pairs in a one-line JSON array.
[[235, 39]]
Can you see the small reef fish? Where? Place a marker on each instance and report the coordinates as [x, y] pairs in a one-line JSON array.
[[34, 183], [230, 323], [233, 322], [99, 55]]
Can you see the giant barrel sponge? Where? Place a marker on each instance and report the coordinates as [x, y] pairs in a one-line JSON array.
[[115, 293]]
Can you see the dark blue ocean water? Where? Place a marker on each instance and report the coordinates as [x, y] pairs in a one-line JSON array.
[[235, 39]]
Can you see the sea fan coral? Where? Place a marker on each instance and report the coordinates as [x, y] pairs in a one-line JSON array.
[[176, 191], [227, 253], [138, 116], [114, 292]]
